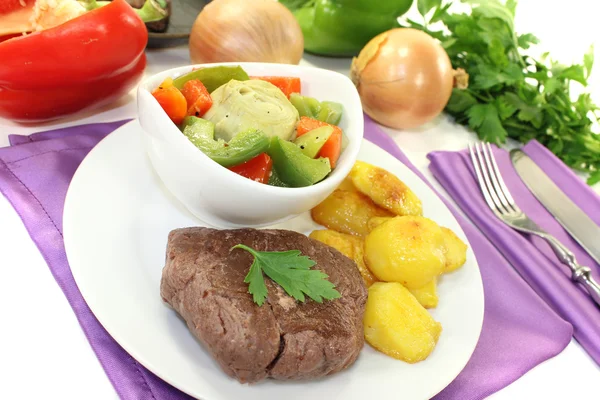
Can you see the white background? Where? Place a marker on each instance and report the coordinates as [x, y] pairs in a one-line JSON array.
[[43, 352]]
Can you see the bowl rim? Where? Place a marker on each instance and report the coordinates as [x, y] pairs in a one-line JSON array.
[[224, 173]]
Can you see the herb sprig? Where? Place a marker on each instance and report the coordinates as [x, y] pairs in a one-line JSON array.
[[512, 94], [291, 271]]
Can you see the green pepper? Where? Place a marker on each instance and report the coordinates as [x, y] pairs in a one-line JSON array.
[[311, 142], [326, 111], [241, 148], [293, 167], [275, 180], [213, 77], [344, 27]]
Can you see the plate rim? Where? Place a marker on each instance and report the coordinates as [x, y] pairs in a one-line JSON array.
[[131, 351]]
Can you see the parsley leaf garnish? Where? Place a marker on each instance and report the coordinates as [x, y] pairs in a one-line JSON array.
[[512, 94], [291, 271]]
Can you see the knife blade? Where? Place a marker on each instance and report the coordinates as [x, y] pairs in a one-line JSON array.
[[568, 214]]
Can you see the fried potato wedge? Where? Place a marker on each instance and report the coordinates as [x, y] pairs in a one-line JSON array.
[[406, 249], [397, 325], [427, 295], [455, 251], [385, 189], [347, 212], [350, 246]]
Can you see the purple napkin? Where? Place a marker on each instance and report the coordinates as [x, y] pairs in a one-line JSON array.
[[519, 329], [531, 256]]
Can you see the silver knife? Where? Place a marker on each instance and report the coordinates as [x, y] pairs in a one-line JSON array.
[[568, 214]]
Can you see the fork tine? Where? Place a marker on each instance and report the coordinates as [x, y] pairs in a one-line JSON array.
[[485, 171], [480, 180], [503, 187], [496, 187]]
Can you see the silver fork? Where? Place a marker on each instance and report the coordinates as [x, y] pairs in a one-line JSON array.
[[500, 201]]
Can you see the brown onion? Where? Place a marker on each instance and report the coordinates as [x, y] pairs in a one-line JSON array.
[[246, 30], [404, 78]]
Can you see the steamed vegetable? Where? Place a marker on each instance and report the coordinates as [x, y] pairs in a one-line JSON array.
[[257, 169], [171, 100], [333, 147], [197, 97], [511, 94], [241, 30], [287, 84], [256, 104], [243, 147], [404, 78], [212, 77], [326, 111], [293, 167]]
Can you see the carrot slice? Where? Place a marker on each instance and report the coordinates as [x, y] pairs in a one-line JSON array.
[[171, 100], [287, 84], [332, 147], [197, 97]]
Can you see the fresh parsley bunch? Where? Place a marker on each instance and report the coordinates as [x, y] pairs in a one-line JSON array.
[[511, 94]]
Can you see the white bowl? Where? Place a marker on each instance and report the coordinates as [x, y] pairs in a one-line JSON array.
[[223, 198]]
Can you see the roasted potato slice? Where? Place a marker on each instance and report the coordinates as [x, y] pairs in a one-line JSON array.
[[408, 249], [427, 295], [397, 325], [385, 189], [350, 246], [376, 221], [455, 250], [347, 212], [347, 185]]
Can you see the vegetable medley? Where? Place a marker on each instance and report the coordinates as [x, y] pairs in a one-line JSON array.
[[260, 127]]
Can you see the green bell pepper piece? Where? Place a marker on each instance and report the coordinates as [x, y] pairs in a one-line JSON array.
[[275, 180], [241, 148], [213, 77], [326, 111], [293, 167], [344, 27], [311, 142]]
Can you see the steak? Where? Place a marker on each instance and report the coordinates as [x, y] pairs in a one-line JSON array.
[[282, 339]]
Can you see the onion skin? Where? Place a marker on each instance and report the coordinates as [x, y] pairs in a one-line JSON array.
[[404, 78], [246, 31]]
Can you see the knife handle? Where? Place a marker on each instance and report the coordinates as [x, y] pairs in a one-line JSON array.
[[579, 273]]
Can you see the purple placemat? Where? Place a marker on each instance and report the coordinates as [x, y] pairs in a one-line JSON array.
[[519, 329], [532, 256]]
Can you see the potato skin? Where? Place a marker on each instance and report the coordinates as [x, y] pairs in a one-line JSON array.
[[347, 212], [407, 249], [397, 325], [350, 246], [427, 295], [385, 189], [455, 251]]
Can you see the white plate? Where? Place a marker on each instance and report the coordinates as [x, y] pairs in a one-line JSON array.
[[116, 220]]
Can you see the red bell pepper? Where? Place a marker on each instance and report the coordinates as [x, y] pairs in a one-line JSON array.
[[258, 168], [287, 84], [197, 97], [332, 147], [86, 62]]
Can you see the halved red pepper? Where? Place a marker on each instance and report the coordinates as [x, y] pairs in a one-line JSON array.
[[258, 168], [86, 62]]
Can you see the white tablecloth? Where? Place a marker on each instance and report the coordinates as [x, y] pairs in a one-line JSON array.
[[43, 352]]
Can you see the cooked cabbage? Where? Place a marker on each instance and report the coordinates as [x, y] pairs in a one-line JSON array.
[[242, 105]]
